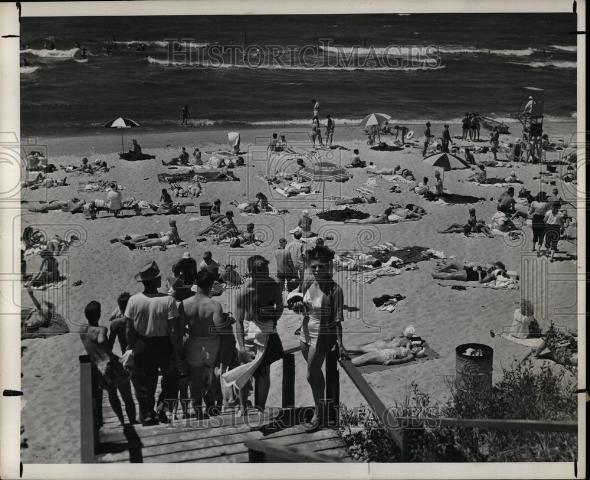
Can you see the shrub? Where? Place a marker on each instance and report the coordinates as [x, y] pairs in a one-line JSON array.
[[525, 392]]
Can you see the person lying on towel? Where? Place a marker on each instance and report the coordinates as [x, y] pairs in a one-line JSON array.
[[390, 356], [393, 214], [161, 239]]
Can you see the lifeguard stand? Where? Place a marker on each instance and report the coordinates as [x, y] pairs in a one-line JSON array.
[[531, 118]]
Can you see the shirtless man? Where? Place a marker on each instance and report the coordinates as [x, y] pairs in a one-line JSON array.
[[205, 321], [258, 306]]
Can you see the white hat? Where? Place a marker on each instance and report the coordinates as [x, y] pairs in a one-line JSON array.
[[305, 212], [186, 255]]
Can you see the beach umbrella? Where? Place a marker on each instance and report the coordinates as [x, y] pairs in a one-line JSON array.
[[375, 119], [324, 172], [446, 162], [121, 122]]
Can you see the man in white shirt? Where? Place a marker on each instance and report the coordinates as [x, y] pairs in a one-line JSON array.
[[114, 200], [154, 335]]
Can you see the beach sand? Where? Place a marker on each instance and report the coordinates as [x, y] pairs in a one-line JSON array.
[[444, 317]]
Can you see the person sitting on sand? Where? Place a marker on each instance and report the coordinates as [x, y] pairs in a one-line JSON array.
[[182, 159], [85, 166], [216, 210], [225, 228], [48, 272], [472, 226], [502, 222], [469, 158], [219, 223], [166, 200], [506, 202], [248, 237], [422, 187], [356, 161], [114, 202], [479, 176], [197, 157], [262, 202], [390, 356], [135, 150], [161, 239], [465, 272], [112, 376]]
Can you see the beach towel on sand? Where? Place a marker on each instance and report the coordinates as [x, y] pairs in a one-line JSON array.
[[499, 284], [430, 354]]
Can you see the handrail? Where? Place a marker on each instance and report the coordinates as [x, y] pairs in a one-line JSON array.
[[507, 424], [88, 430], [396, 431]]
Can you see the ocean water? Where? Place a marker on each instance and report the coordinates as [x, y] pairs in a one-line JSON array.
[[259, 70]]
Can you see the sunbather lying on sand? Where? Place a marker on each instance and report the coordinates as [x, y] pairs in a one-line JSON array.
[[390, 356], [393, 214], [170, 237], [356, 200], [75, 205], [41, 180], [473, 225], [469, 272], [405, 340], [404, 173]]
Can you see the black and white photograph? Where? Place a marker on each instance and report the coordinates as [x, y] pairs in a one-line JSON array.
[[341, 236]]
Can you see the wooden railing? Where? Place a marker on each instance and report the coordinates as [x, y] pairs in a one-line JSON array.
[[91, 405], [89, 414]]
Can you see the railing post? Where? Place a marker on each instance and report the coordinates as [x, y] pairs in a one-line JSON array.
[[288, 400], [88, 430], [332, 387]]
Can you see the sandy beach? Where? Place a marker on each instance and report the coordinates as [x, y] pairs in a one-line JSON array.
[[443, 316]]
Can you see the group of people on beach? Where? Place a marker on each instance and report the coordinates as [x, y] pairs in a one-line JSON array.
[[186, 335]]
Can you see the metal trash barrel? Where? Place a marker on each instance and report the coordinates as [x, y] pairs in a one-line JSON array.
[[205, 208], [473, 373]]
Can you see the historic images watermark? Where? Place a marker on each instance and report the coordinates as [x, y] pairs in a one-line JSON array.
[[323, 55]]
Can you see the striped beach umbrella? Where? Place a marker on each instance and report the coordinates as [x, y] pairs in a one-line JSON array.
[[446, 161], [121, 122], [374, 119], [324, 172]]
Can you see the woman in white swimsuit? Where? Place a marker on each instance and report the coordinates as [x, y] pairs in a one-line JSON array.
[[321, 330]]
